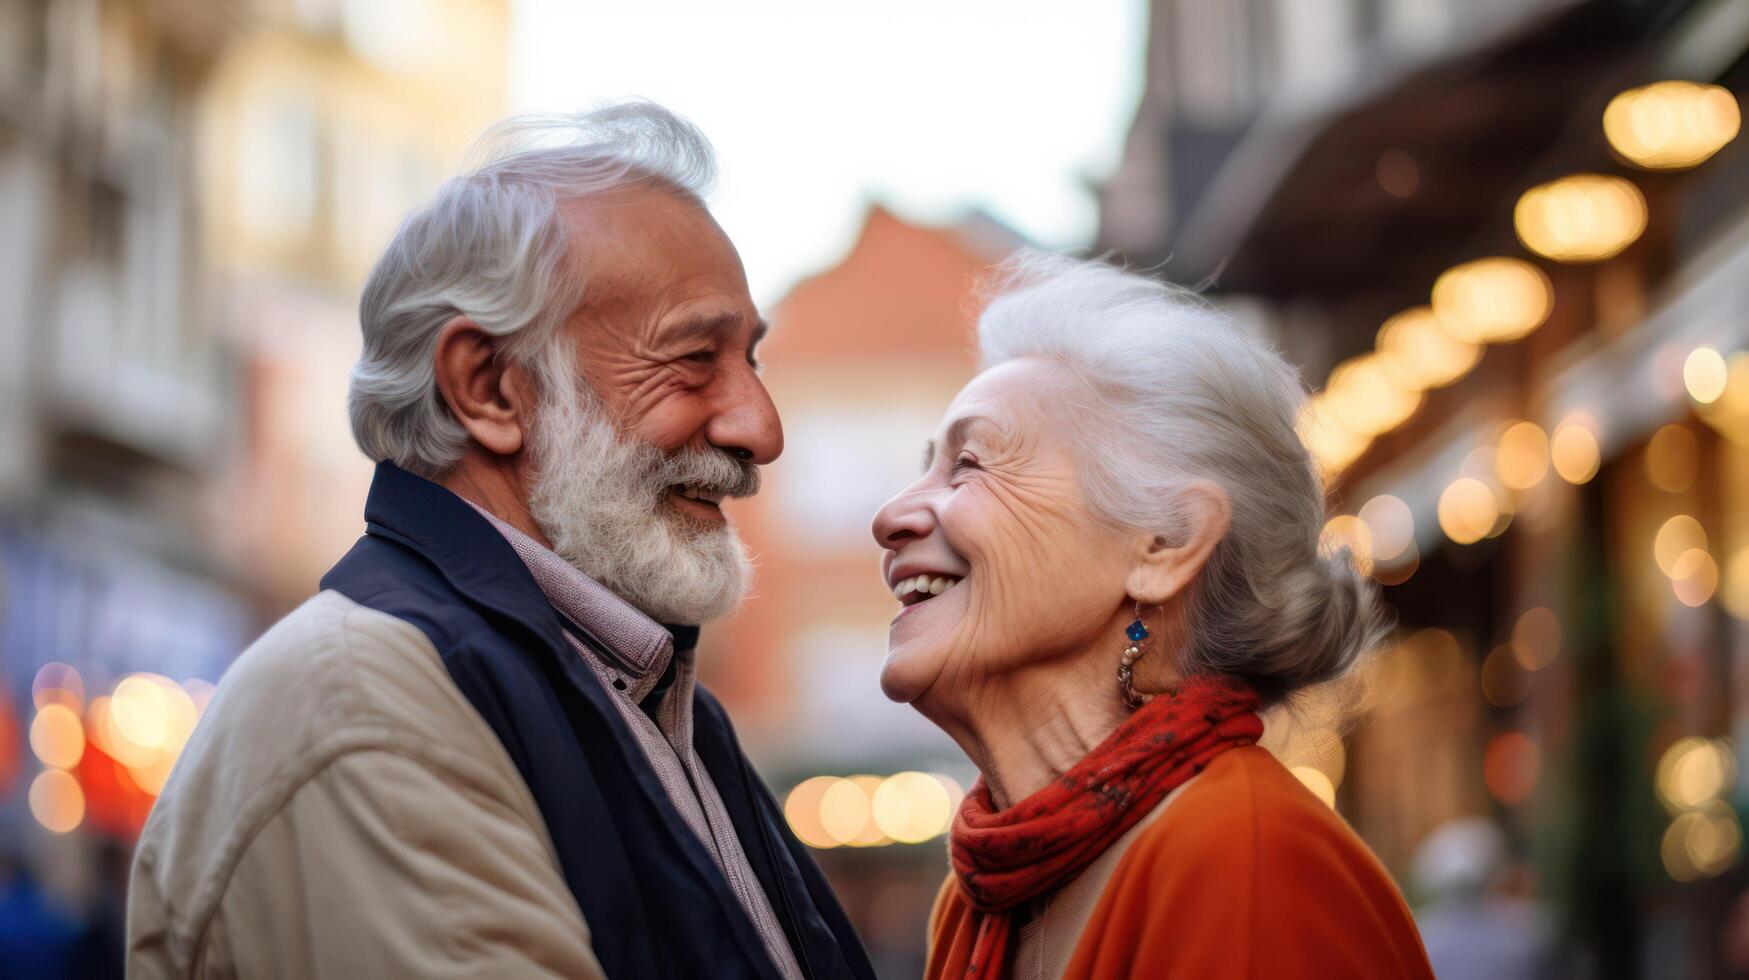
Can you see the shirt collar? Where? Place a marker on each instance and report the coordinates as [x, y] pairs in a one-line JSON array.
[[638, 645]]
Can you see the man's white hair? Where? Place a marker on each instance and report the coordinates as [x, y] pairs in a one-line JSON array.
[[492, 245], [1172, 392]]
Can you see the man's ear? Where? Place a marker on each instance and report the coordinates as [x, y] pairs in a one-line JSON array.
[[1164, 568], [487, 394]]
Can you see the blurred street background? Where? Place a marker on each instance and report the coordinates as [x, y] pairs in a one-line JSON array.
[[1507, 242]]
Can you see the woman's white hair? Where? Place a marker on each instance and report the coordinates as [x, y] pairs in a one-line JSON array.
[[492, 246], [1176, 393]]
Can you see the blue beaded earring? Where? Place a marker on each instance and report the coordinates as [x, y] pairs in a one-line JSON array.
[[1137, 632]]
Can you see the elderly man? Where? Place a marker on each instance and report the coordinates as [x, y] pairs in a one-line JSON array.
[[479, 749]]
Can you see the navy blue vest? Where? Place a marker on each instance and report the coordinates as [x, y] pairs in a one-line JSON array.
[[656, 904]]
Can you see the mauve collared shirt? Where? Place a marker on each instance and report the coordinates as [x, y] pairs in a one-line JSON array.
[[639, 650]]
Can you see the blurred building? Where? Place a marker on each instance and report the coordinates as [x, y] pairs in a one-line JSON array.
[[325, 122], [115, 398], [192, 195], [862, 360], [1516, 274]]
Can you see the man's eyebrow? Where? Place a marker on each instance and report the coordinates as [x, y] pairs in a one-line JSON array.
[[703, 323]]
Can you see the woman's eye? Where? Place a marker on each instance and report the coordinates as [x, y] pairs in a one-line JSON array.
[[965, 461]]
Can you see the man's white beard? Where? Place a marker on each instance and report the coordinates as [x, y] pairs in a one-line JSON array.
[[602, 502]]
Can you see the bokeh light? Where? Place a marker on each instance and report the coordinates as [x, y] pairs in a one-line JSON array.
[[1365, 397], [1536, 638], [1694, 577], [1672, 459], [1580, 218], [58, 683], [1350, 533], [57, 801], [911, 807], [1704, 375], [844, 811], [1676, 536], [1736, 584], [1521, 459], [1422, 354], [1392, 524], [1510, 767], [1505, 683], [1331, 445], [1701, 843], [1492, 300], [1574, 452], [1671, 125], [1693, 771], [57, 736], [802, 809], [869, 811], [1468, 510]]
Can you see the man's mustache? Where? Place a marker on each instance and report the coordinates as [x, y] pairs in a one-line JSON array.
[[711, 470]]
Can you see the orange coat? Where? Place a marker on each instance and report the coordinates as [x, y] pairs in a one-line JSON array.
[[1244, 874]]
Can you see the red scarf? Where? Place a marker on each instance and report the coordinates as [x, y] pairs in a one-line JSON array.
[[1006, 858]]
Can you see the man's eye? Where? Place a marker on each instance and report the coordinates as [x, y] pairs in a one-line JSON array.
[[702, 357]]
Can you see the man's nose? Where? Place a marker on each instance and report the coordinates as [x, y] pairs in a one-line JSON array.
[[746, 425]]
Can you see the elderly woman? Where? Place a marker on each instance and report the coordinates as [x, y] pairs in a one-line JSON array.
[[1109, 567]]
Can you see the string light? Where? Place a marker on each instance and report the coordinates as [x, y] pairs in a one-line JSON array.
[[1671, 125], [1581, 218], [1492, 300]]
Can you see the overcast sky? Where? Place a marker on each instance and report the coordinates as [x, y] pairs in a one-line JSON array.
[[818, 107]]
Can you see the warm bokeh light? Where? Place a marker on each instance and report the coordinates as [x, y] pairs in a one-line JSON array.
[[1694, 771], [1701, 843], [1580, 218], [1392, 524], [844, 811], [56, 801], [911, 807], [1574, 452], [1536, 638], [1331, 446], [1510, 766], [1347, 532], [1672, 458], [1492, 300], [152, 712], [1704, 374], [58, 683], [1671, 125], [1694, 577], [1399, 569], [1366, 398], [1422, 354], [1677, 535], [57, 736], [802, 809], [1521, 459], [870, 835], [1736, 584], [1468, 510], [1318, 783], [1504, 682]]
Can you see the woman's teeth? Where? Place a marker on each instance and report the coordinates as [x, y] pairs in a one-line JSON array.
[[923, 587]]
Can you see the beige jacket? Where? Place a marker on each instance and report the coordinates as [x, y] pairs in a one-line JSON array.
[[342, 811]]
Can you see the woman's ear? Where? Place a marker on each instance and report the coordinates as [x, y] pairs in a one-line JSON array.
[[1164, 568], [488, 395]]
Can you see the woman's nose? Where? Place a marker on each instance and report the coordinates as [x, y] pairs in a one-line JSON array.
[[904, 518]]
